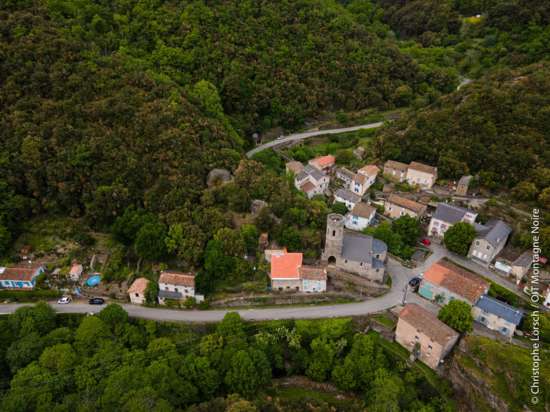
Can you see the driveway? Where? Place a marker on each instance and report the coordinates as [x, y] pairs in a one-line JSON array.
[[399, 274], [305, 135]]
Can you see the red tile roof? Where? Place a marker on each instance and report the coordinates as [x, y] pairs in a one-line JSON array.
[[406, 203], [369, 170], [139, 286], [307, 187], [427, 323], [363, 209], [22, 273], [393, 164], [457, 280], [323, 161], [313, 273], [177, 278], [362, 179], [286, 266]]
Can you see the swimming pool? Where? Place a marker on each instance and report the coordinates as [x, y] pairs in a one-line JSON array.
[[93, 280]]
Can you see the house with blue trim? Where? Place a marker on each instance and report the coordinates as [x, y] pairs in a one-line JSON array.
[[497, 315], [445, 281], [20, 277]]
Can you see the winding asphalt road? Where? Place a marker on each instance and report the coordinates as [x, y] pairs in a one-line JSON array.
[[399, 274], [305, 135]]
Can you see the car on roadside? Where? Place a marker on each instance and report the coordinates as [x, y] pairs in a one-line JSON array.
[[96, 301], [414, 283], [426, 241], [64, 300]]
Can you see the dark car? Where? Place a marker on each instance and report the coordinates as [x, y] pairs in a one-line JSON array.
[[415, 282], [96, 301]]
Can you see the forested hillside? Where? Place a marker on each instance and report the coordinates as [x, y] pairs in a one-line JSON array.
[[497, 127], [106, 105]]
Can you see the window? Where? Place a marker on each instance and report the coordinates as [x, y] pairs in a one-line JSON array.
[[488, 247], [416, 337], [430, 347], [176, 290], [361, 264], [334, 233], [137, 295], [477, 242]]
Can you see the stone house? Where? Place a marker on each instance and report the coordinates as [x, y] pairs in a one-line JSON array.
[[177, 286], [360, 216], [289, 274], [354, 252], [311, 181], [395, 170], [323, 163], [344, 175], [422, 333], [396, 206], [521, 265], [489, 241], [447, 215], [421, 175], [22, 276], [371, 172], [350, 199], [497, 315], [136, 292], [445, 281], [359, 184], [463, 185]]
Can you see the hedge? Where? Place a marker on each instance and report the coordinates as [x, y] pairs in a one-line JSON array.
[[29, 295]]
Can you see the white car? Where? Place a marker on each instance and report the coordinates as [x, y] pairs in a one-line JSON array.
[[64, 300]]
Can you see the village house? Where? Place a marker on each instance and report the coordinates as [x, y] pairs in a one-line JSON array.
[[323, 163], [447, 215], [359, 184], [490, 240], [520, 266], [22, 276], [497, 315], [354, 252], [289, 274], [444, 281], [350, 199], [421, 175], [360, 216], [177, 286], [396, 206], [463, 185], [136, 292], [311, 181], [76, 272], [395, 170], [344, 175], [294, 167], [423, 334], [370, 172]]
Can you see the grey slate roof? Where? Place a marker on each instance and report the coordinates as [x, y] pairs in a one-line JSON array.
[[168, 294], [495, 232], [313, 172], [524, 260], [500, 309], [360, 248], [450, 213], [347, 195]]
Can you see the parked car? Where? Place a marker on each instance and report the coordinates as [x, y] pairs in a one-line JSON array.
[[96, 301], [415, 282], [64, 300], [426, 241]]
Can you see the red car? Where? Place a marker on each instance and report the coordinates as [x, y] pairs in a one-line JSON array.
[[426, 241]]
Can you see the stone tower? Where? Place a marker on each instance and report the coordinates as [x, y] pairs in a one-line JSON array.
[[334, 237]]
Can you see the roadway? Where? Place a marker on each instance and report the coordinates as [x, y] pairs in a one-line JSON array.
[[399, 274], [295, 137], [400, 277]]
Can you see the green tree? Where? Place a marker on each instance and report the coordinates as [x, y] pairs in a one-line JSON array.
[[458, 315], [243, 376], [525, 191], [152, 292], [186, 241], [340, 208], [5, 239], [89, 333], [39, 319], [150, 240], [115, 317], [231, 242], [408, 228], [459, 237], [250, 236], [386, 392]]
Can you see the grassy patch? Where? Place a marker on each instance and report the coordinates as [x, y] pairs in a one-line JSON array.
[[384, 320]]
